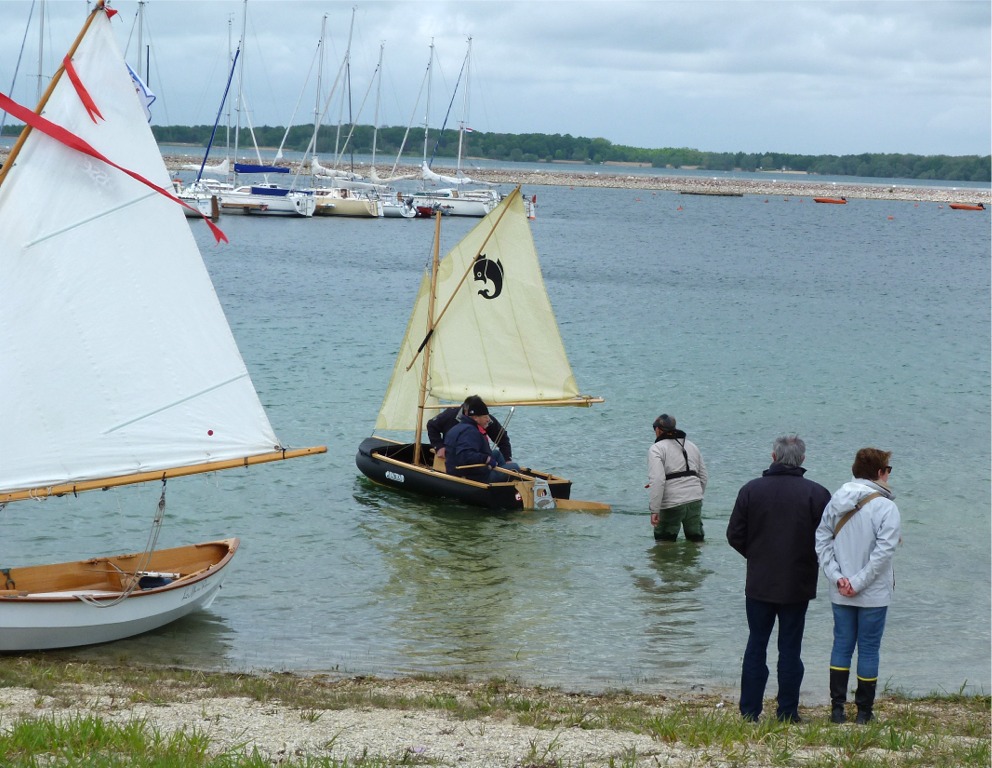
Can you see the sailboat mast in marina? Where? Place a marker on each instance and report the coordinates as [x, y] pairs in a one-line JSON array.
[[117, 365]]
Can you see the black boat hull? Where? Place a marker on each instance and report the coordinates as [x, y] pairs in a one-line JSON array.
[[391, 464]]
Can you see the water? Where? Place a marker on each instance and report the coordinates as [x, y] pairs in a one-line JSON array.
[[865, 324]]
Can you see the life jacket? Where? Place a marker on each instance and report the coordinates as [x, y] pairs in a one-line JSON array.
[[679, 437]]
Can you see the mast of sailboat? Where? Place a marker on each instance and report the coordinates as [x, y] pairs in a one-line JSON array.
[[467, 66], [141, 31], [41, 49], [378, 101], [447, 114], [17, 66], [426, 346], [220, 110], [241, 82], [427, 110]]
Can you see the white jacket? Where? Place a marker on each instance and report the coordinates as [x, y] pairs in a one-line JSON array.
[[666, 457], [863, 550]]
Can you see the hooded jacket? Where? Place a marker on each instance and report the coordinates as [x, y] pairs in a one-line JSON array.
[[863, 550]]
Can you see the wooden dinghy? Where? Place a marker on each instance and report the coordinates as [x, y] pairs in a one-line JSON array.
[[488, 296], [832, 200], [63, 605], [141, 379]]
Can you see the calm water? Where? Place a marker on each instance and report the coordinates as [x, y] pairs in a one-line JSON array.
[[864, 324]]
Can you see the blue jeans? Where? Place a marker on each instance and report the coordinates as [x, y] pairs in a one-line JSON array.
[[754, 670], [862, 627]]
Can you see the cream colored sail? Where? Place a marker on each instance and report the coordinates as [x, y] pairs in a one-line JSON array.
[[115, 355], [495, 333]]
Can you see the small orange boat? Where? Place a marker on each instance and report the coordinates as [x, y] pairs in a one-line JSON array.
[[834, 200], [968, 207]]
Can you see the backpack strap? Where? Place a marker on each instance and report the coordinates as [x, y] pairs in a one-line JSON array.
[[850, 513]]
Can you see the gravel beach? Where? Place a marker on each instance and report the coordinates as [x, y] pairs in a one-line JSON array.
[[462, 724]]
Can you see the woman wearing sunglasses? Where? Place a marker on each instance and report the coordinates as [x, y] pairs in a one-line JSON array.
[[855, 543]]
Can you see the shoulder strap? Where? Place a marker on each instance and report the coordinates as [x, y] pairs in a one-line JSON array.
[[850, 513]]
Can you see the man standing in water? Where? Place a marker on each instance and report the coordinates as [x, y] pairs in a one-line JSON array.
[[676, 483], [774, 526]]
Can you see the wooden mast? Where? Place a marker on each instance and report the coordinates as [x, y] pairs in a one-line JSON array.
[[422, 397]]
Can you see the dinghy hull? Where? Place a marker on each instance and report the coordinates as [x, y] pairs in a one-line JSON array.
[[390, 463], [66, 605]]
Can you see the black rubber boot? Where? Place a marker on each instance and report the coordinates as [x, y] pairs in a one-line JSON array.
[[838, 694], [864, 697]]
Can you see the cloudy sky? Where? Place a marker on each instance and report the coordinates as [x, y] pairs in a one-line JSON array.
[[796, 76]]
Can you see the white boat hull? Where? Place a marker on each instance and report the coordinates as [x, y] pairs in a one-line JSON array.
[[242, 201], [79, 604], [475, 203]]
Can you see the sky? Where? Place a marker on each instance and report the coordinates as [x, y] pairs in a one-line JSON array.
[[791, 76]]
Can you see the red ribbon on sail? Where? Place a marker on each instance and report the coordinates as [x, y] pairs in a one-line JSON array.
[[84, 95], [71, 140]]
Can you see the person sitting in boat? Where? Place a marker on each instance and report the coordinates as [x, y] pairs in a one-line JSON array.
[[443, 423], [467, 452]]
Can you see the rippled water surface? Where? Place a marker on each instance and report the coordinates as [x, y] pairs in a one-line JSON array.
[[864, 324]]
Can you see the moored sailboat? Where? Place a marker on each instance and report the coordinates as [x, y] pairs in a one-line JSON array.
[[141, 380], [482, 324]]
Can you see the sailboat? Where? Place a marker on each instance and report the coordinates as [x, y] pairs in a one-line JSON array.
[[482, 324], [117, 365], [455, 199]]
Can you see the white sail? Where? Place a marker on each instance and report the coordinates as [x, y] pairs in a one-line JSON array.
[[223, 168], [115, 355], [428, 175], [496, 335]]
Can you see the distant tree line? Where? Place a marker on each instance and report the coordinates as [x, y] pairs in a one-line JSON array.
[[540, 147]]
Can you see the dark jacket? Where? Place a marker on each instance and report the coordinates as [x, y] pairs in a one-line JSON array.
[[439, 426], [465, 444], [774, 526]]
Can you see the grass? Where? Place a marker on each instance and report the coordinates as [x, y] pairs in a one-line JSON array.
[[66, 730]]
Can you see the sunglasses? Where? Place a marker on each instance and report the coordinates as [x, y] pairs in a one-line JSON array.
[[888, 469]]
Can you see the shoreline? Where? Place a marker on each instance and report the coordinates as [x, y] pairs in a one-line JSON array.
[[285, 718], [614, 177]]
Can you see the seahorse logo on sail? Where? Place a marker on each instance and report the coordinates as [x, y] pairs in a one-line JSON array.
[[488, 272]]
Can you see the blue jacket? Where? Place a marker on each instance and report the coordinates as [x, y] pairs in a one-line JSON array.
[[774, 526], [466, 444], [440, 425]]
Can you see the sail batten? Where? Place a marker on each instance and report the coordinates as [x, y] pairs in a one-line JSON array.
[[495, 334]]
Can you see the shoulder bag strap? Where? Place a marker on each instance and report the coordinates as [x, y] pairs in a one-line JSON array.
[[849, 514]]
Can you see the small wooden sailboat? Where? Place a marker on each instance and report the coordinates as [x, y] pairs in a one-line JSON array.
[[968, 206], [833, 200], [482, 324], [117, 365]]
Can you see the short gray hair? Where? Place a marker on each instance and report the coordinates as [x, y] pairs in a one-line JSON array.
[[789, 450]]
